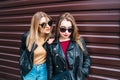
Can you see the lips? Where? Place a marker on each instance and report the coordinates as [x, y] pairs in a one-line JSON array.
[[65, 35]]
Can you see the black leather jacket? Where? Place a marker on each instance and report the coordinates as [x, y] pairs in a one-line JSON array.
[[78, 62], [26, 60]]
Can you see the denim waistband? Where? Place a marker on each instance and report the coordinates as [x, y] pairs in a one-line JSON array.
[[38, 65]]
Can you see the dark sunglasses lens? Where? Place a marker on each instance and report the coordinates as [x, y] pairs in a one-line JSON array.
[[70, 30], [62, 29], [50, 23], [43, 25]]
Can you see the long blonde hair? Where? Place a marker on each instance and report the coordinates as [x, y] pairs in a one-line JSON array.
[[33, 32], [75, 35]]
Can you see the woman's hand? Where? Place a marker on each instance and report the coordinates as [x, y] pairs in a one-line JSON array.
[[50, 40]]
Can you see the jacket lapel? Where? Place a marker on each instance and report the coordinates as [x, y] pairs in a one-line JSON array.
[[32, 52], [71, 54], [58, 49]]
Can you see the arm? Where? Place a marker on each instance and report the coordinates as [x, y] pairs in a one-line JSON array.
[[23, 43], [49, 62], [86, 59], [22, 48]]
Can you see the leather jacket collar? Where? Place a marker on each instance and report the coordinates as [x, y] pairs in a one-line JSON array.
[[58, 50]]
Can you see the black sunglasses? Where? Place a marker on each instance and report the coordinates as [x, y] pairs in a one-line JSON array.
[[43, 25], [64, 30]]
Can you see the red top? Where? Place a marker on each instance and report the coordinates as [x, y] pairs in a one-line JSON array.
[[64, 46]]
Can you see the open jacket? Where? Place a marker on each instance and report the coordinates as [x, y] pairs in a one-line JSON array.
[[78, 61], [26, 57]]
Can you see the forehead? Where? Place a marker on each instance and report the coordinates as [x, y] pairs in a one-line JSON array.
[[65, 23], [44, 19]]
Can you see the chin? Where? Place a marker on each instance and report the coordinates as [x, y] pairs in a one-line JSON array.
[[66, 37], [47, 32]]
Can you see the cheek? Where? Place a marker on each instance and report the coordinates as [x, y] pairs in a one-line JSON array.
[[40, 30], [51, 28], [61, 33], [69, 34]]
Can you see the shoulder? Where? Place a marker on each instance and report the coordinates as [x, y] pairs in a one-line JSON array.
[[24, 36], [53, 44], [82, 39], [53, 41]]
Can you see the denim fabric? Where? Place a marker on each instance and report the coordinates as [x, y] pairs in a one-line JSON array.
[[38, 72]]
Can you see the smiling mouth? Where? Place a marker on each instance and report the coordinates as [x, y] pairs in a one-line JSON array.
[[47, 29], [65, 35]]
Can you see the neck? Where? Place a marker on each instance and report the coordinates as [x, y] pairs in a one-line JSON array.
[[41, 35], [41, 40], [62, 39]]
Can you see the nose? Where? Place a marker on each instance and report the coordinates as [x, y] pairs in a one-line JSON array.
[[66, 31], [47, 26]]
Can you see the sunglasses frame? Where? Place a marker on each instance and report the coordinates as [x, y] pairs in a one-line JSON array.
[[43, 25], [70, 30]]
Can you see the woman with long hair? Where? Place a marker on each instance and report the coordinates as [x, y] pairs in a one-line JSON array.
[[69, 56], [33, 49]]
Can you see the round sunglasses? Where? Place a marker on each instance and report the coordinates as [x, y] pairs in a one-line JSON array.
[[64, 30], [43, 25]]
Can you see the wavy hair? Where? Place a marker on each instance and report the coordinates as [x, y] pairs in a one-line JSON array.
[[75, 35], [34, 32]]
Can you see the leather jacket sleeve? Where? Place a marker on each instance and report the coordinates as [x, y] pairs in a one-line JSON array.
[[22, 48], [49, 62], [86, 59], [23, 43]]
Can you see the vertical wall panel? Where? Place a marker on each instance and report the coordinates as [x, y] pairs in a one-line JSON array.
[[98, 22]]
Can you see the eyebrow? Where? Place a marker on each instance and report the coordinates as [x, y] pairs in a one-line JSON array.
[[65, 27]]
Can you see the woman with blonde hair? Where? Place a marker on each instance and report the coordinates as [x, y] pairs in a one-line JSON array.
[[69, 56], [33, 49]]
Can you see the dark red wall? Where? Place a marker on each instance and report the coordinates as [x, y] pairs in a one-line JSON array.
[[97, 20]]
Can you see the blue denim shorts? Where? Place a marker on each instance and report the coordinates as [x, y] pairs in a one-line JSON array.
[[38, 72]]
